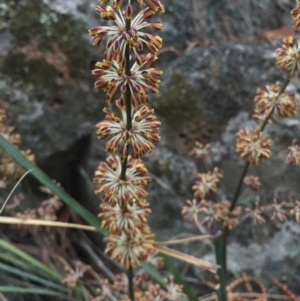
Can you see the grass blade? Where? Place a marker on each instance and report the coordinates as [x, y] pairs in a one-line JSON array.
[[29, 276], [34, 291], [13, 260], [29, 260], [221, 292]]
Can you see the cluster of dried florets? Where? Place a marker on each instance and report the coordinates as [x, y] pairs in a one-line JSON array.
[[209, 213], [252, 145], [206, 182], [72, 276], [200, 209], [293, 156], [46, 211], [9, 169], [145, 289], [125, 74]]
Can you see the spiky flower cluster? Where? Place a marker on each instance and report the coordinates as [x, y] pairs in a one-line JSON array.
[[140, 137], [253, 145], [8, 167], [267, 101], [126, 75], [206, 182], [289, 56]]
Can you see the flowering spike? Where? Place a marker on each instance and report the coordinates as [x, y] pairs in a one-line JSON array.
[[126, 76]]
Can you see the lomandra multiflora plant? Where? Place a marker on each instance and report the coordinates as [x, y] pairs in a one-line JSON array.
[[131, 131], [253, 145]]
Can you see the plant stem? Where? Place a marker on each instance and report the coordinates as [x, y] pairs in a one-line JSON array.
[[234, 201], [221, 290], [130, 283], [239, 187], [129, 126], [128, 100]]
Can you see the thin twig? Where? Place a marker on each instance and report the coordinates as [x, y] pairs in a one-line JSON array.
[[187, 258], [97, 260], [187, 239]]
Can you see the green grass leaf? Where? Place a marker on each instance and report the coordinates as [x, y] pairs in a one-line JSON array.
[[30, 261], [34, 291], [31, 277], [221, 292]]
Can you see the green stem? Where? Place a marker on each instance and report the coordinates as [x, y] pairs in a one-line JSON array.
[[239, 187], [221, 290], [238, 191]]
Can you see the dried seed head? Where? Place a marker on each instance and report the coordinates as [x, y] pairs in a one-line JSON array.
[[253, 182], [130, 248], [279, 212], [293, 156], [256, 214], [253, 145], [289, 56], [206, 182], [200, 151], [191, 211], [73, 276], [269, 100]]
